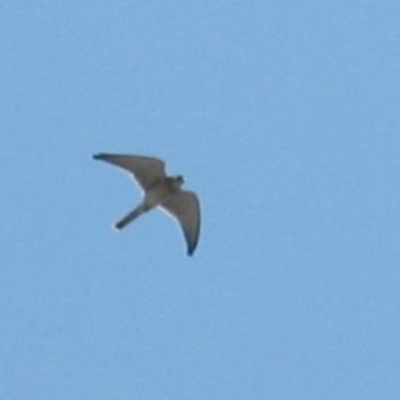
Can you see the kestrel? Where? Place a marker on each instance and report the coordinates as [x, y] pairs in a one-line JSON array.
[[160, 190]]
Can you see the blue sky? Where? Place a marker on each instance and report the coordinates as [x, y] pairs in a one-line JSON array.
[[283, 117]]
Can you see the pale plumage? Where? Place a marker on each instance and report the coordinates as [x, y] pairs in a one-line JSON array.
[[159, 191]]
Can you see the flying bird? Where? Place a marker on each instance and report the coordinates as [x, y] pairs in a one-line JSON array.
[[159, 190]]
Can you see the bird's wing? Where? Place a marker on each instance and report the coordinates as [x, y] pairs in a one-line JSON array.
[[185, 206], [146, 170]]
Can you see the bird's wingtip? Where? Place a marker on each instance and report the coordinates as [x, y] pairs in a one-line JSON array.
[[97, 156]]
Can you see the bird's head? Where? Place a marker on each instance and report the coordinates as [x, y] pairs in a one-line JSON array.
[[178, 180]]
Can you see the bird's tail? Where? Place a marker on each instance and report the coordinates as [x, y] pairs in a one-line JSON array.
[[139, 210]]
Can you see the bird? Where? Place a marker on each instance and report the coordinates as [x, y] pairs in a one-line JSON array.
[[161, 191]]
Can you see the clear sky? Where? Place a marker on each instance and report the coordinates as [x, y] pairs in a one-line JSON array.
[[284, 118]]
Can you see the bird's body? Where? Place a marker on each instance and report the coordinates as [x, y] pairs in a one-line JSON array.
[[160, 191]]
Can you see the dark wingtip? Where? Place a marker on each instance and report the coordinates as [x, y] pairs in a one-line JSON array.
[[190, 251], [191, 246], [97, 156]]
